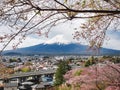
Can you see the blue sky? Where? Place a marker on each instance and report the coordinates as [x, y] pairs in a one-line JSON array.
[[63, 34]]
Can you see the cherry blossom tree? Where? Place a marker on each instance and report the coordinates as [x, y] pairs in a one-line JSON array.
[[5, 72], [39, 16], [95, 78]]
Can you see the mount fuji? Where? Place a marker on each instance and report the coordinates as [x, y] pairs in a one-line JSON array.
[[58, 45], [59, 49]]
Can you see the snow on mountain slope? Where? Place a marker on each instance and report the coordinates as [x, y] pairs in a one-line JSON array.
[[57, 39]]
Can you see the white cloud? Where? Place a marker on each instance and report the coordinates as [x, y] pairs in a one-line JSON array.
[[113, 42], [29, 41]]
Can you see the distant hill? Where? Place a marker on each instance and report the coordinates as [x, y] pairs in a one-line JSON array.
[[59, 49]]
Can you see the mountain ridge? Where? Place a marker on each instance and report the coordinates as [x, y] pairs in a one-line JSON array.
[[60, 48]]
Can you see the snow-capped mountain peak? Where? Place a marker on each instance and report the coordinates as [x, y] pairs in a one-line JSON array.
[[57, 39]]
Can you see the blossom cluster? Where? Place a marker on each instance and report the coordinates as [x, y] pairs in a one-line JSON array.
[[94, 78]]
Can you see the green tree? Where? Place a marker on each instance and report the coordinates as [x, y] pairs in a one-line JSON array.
[[63, 67], [25, 69], [12, 60], [90, 61], [116, 60], [87, 63]]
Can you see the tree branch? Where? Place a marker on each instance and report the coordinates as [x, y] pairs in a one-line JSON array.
[[61, 4], [16, 34], [80, 11]]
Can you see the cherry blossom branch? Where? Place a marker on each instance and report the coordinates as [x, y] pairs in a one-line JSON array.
[[17, 33]]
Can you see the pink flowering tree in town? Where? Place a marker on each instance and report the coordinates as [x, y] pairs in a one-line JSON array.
[[94, 78]]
